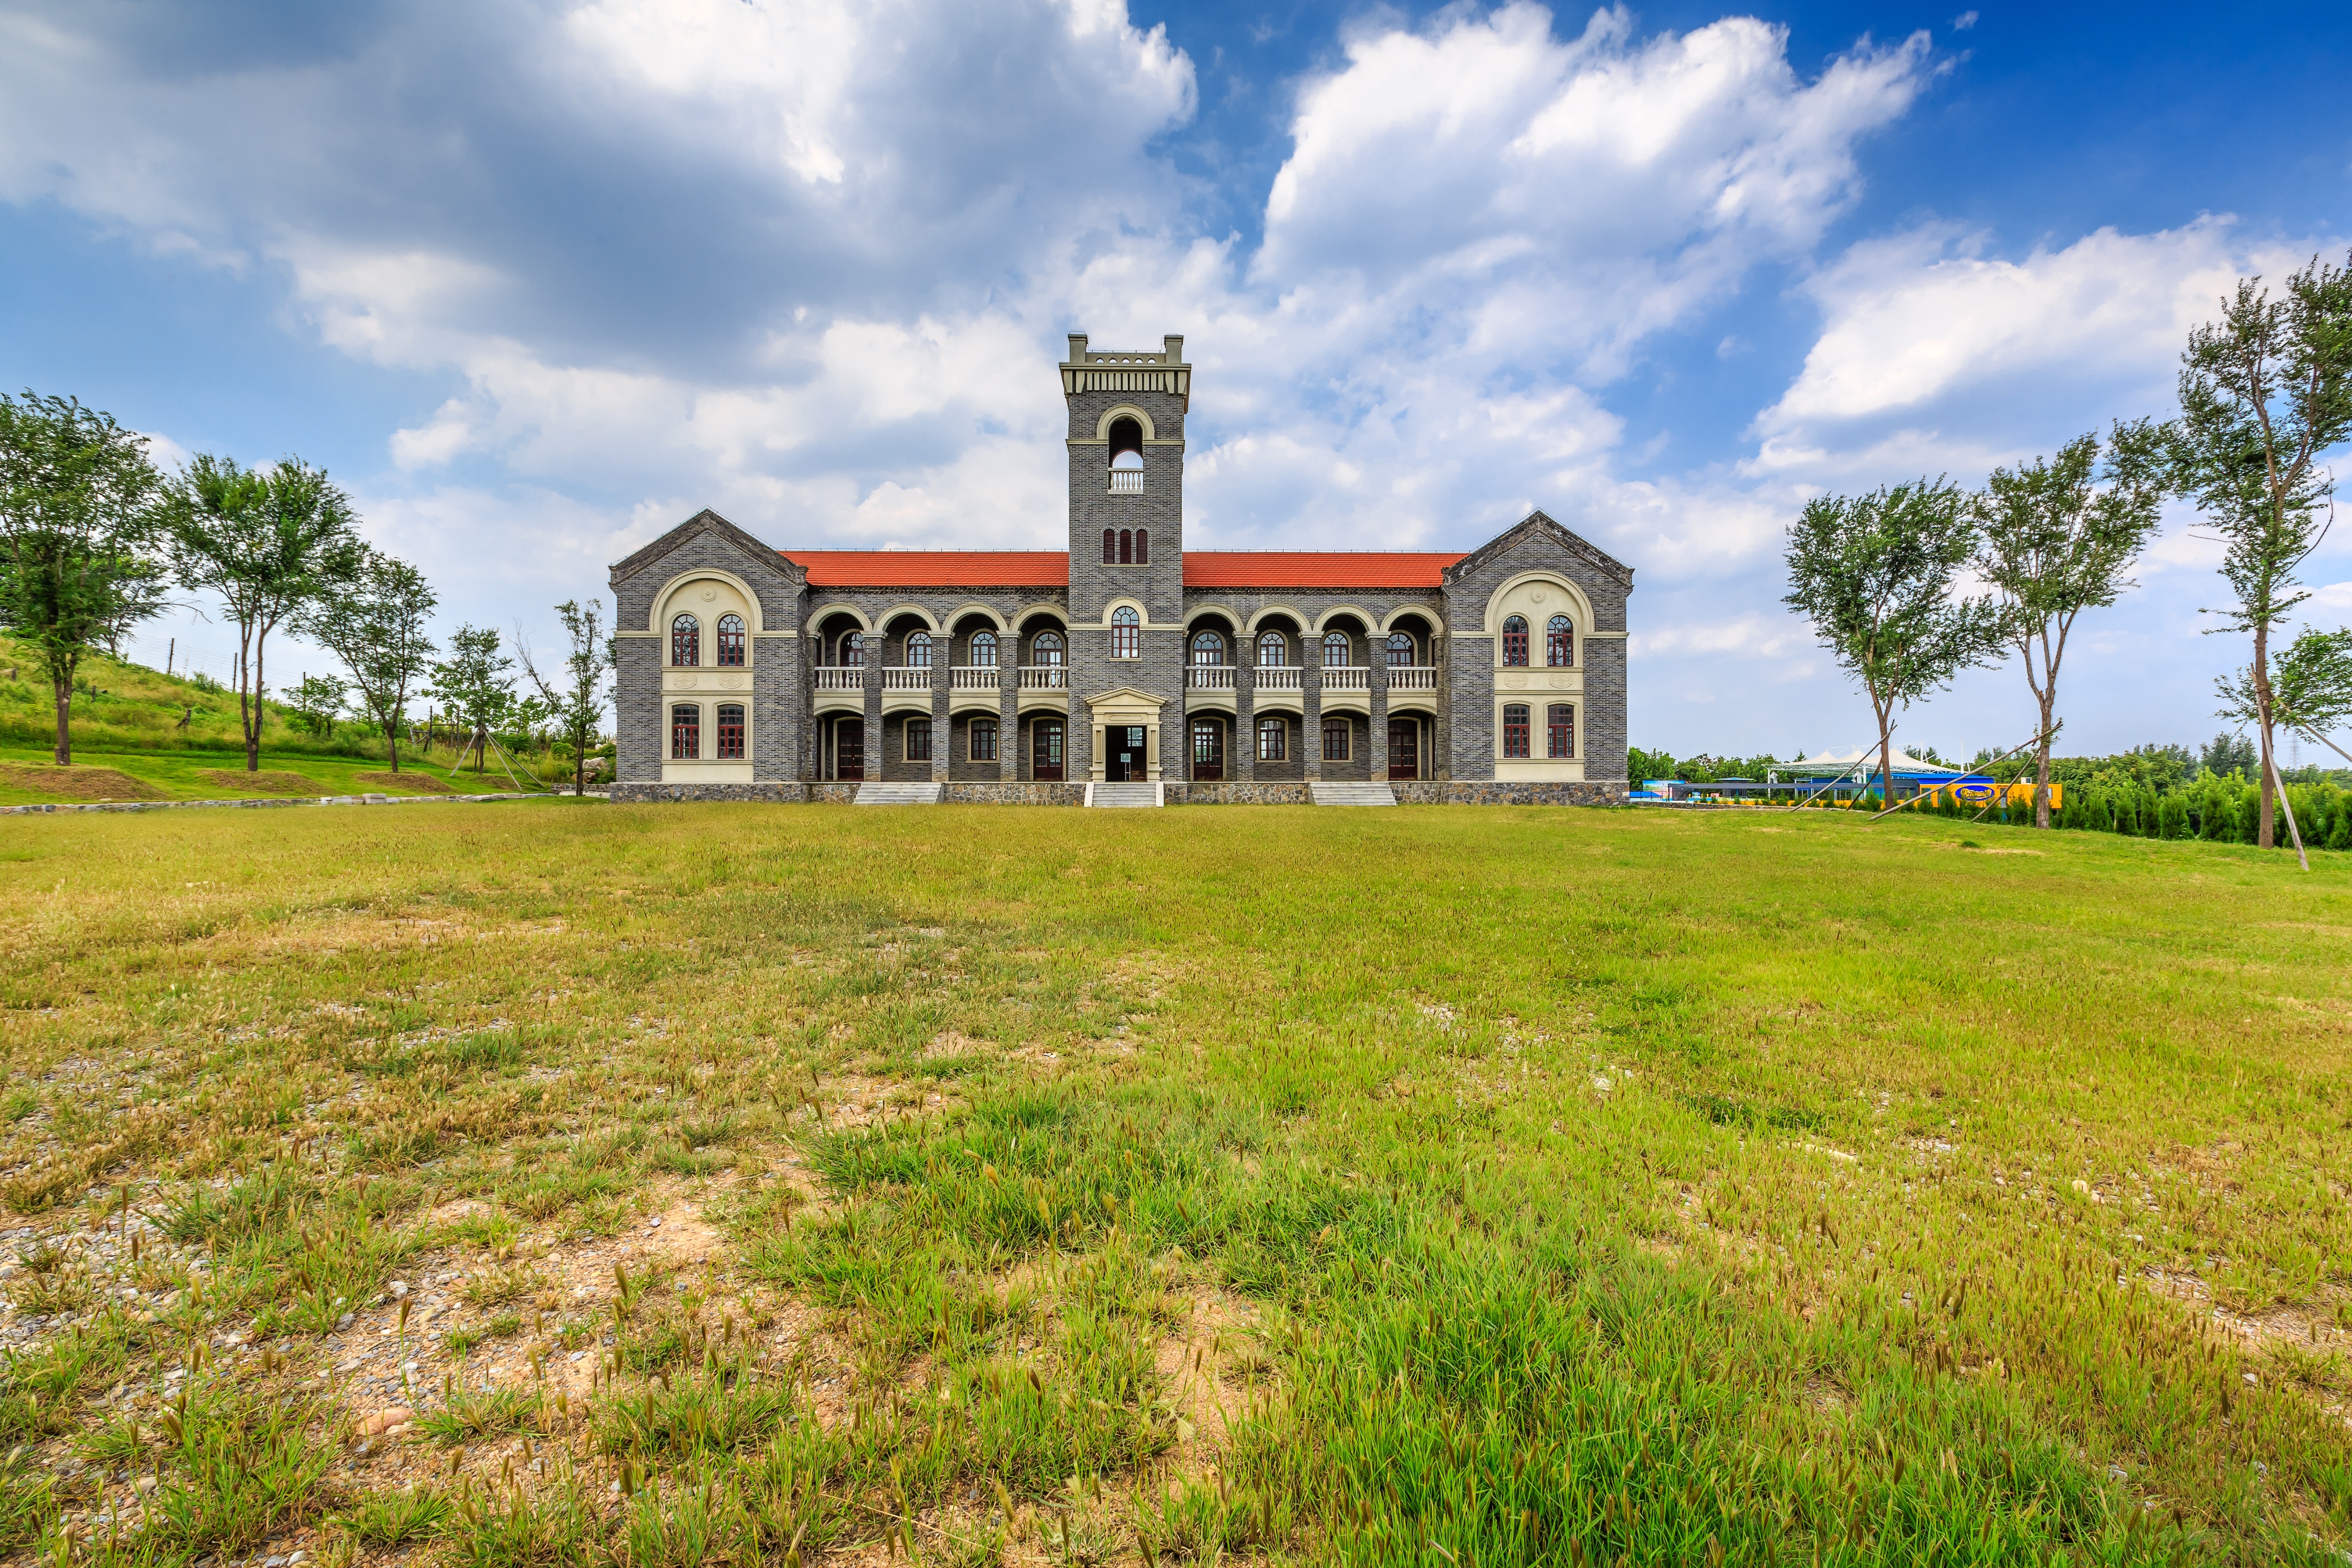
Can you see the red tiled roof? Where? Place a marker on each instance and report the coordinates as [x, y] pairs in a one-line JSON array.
[[1051, 569], [1316, 569], [933, 568]]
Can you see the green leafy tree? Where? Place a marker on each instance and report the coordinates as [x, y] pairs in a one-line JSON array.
[[78, 566], [270, 542], [576, 700], [2226, 754], [2311, 686], [2264, 392], [374, 622], [476, 682], [2058, 536], [1874, 574], [317, 701]]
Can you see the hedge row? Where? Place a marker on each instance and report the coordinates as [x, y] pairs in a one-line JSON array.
[[2226, 810]]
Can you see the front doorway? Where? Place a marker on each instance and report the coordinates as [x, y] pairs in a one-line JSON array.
[[1404, 749], [1126, 761], [849, 749], [1046, 750], [1208, 749]]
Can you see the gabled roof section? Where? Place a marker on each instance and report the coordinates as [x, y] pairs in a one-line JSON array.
[[933, 568], [702, 522], [1316, 569], [1535, 527]]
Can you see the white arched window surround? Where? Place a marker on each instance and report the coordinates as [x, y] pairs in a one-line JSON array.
[[1273, 649], [1335, 650], [1208, 648], [983, 650]]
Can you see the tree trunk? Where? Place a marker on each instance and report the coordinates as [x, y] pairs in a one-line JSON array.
[[62, 687], [1885, 715], [392, 739], [2264, 830], [253, 725], [2042, 763]]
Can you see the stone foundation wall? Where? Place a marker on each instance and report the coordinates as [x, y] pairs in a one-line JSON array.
[[1488, 792], [1015, 794], [654, 794], [1275, 793]]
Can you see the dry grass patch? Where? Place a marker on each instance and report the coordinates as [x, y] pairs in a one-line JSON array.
[[77, 783], [408, 782], [264, 782]]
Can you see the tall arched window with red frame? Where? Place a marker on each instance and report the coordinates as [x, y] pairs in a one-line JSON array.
[[731, 640], [1126, 633], [1515, 640], [1559, 642], [686, 640]]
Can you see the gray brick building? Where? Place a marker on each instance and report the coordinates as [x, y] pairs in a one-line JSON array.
[[745, 672]]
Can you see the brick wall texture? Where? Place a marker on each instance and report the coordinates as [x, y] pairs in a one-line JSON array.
[[1458, 752]]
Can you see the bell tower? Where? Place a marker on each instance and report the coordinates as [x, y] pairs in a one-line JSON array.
[[1127, 541]]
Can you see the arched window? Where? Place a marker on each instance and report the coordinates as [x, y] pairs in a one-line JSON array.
[[852, 649], [1126, 547], [1273, 739], [1273, 652], [730, 639], [685, 732], [1110, 547], [1559, 642], [1335, 650], [1400, 649], [980, 743], [919, 650], [1208, 648], [1126, 640], [731, 733], [1515, 729], [1125, 441], [983, 650], [1559, 730], [686, 640], [1143, 546], [1514, 640], [1047, 648]]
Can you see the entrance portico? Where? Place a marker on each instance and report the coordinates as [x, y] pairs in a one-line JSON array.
[[1127, 737]]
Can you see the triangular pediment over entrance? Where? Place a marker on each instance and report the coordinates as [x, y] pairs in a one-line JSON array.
[[1126, 699]]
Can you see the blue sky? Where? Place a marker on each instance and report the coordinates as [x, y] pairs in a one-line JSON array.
[[536, 281]]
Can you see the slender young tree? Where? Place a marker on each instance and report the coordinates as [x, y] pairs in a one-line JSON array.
[[577, 700], [2264, 392], [476, 680], [376, 624], [2057, 538], [1874, 574], [76, 536], [269, 542]]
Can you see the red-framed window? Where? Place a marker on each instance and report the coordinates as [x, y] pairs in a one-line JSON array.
[[981, 744], [731, 733], [685, 732], [1335, 650], [919, 740], [1126, 634], [1143, 546], [1515, 729], [1273, 651], [1335, 740], [1400, 649], [1047, 648], [1208, 743], [686, 640], [730, 639], [853, 650], [1515, 640], [983, 650], [1559, 642], [1110, 547], [1559, 730]]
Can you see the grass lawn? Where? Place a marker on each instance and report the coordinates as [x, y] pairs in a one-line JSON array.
[[534, 1187], [28, 774]]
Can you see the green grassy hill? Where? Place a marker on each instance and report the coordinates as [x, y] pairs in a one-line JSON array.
[[140, 734]]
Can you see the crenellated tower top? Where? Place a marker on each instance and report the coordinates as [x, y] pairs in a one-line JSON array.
[[1109, 370]]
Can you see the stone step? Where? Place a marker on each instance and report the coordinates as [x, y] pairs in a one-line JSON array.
[[1352, 794], [1123, 795], [897, 795]]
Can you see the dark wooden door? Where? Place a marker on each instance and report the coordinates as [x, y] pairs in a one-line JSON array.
[[1046, 750], [849, 749], [1208, 749], [1404, 749]]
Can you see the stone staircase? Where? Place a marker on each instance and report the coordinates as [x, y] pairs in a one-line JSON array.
[[1120, 795], [897, 795], [1352, 794]]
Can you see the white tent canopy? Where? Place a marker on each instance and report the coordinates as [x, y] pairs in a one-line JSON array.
[[1837, 762]]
